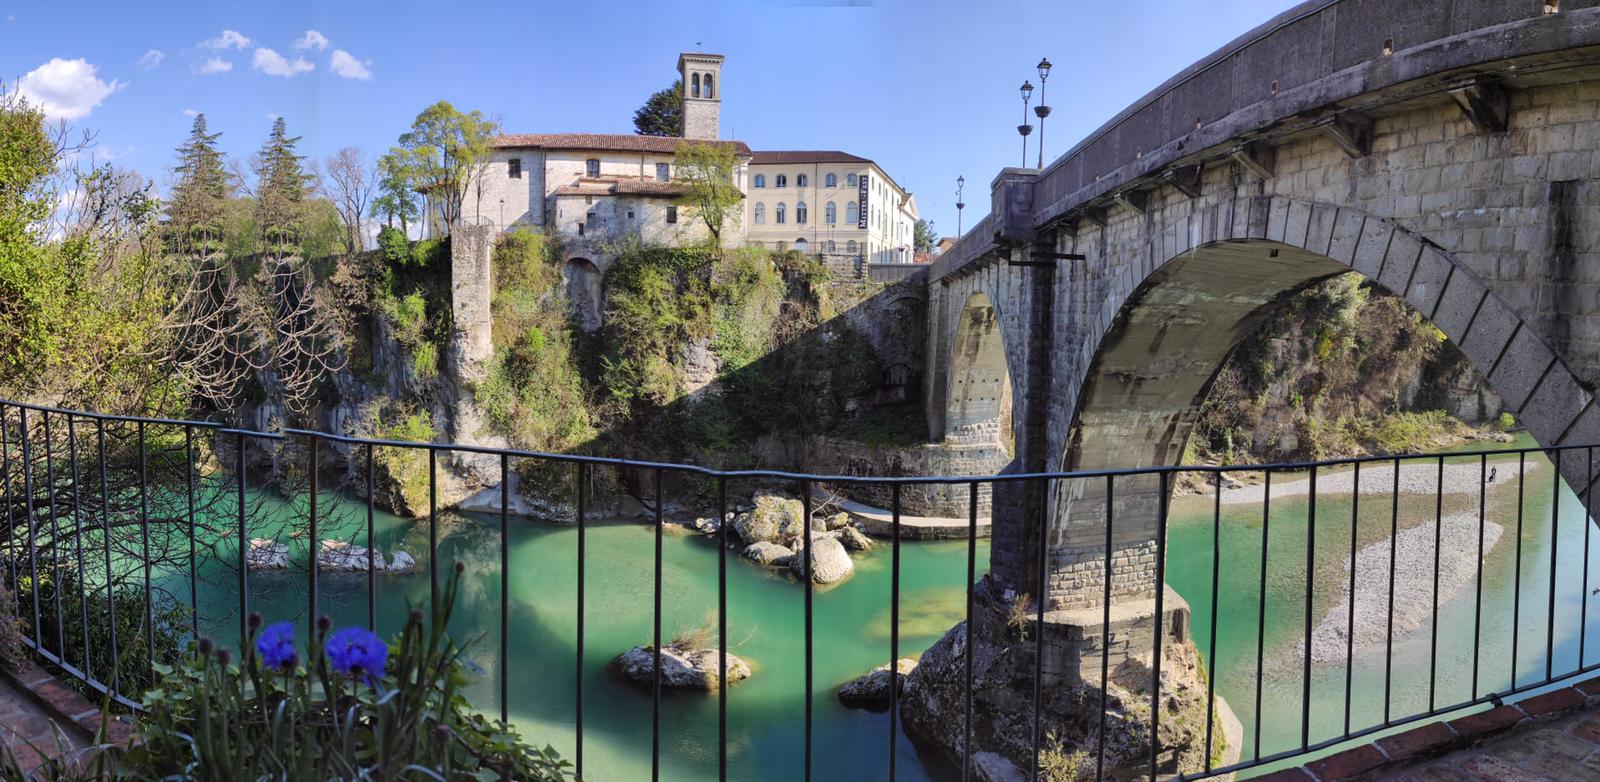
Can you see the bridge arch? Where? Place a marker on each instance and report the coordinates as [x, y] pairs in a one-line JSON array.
[[1163, 338], [978, 398]]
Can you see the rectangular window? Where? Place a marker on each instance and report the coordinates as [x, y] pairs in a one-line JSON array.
[[663, 172], [515, 168], [672, 214], [592, 167]]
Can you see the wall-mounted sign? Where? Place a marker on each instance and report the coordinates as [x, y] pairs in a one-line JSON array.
[[861, 205]]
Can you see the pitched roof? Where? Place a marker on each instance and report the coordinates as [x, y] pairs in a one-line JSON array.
[[621, 186], [605, 142], [804, 156]]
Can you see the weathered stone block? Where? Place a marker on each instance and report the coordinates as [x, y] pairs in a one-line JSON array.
[[1346, 235], [1521, 368], [1428, 281], [1400, 261], [1554, 404], [1372, 247], [1491, 329]]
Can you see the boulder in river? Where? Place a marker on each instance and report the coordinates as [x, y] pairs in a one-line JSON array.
[[836, 521], [855, 540], [870, 691], [706, 525], [338, 556], [266, 555], [774, 518], [401, 562], [768, 553], [830, 563], [682, 668]]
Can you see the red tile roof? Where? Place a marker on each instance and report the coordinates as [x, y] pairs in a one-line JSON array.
[[786, 156], [607, 142], [622, 186]]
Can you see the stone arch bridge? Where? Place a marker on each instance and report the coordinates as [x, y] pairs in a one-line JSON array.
[[1449, 151]]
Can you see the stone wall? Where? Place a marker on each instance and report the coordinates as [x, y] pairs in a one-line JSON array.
[[1491, 235]]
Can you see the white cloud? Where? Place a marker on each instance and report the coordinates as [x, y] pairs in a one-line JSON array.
[[312, 40], [213, 65], [191, 113], [228, 39], [65, 89], [273, 64], [345, 64], [151, 59]]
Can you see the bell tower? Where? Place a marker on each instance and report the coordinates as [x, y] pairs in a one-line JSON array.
[[702, 94]]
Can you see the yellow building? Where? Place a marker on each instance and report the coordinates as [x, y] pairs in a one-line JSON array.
[[828, 202]]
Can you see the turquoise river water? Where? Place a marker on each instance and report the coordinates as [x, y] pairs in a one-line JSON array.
[[765, 618]]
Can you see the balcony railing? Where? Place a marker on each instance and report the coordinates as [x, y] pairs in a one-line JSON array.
[[1401, 589]]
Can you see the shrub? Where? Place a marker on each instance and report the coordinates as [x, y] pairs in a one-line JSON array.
[[13, 652], [393, 246], [355, 708], [133, 671], [1506, 422], [406, 468]]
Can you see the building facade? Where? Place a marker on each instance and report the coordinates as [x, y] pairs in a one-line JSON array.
[[595, 192], [828, 202]]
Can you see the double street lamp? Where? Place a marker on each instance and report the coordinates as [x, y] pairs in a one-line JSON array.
[[1041, 110], [1024, 129]]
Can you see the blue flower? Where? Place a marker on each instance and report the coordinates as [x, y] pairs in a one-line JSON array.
[[276, 645], [354, 650]]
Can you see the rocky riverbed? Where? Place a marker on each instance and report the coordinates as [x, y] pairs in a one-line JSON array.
[[1413, 584], [1377, 478]]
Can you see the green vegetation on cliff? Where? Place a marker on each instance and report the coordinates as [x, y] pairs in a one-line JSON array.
[[1339, 368]]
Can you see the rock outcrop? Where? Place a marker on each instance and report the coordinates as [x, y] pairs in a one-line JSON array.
[[768, 553], [830, 563], [682, 668], [870, 691], [1003, 670], [266, 555]]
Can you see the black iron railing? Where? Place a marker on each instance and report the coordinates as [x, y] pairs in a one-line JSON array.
[[94, 512]]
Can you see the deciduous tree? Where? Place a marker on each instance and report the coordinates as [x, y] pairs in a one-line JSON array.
[[705, 170], [444, 153], [350, 182]]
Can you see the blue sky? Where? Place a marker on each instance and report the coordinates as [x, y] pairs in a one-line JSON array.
[[927, 89]]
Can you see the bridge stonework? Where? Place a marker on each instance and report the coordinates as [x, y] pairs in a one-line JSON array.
[[1391, 167]]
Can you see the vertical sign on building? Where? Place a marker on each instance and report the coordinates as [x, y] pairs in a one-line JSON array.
[[861, 203]]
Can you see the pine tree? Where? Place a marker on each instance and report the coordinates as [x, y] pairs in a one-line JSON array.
[[195, 211], [662, 113], [281, 184]]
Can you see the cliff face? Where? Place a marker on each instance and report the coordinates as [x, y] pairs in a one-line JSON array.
[[1342, 368]]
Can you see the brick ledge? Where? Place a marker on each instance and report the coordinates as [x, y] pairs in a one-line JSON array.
[[1435, 739]]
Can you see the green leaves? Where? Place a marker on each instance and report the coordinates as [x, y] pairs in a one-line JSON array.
[[211, 721], [442, 154]]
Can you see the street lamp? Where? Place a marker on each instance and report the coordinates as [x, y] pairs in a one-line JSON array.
[[961, 184], [1024, 129], [1042, 110]]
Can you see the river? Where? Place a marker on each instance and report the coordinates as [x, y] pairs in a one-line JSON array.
[[765, 618]]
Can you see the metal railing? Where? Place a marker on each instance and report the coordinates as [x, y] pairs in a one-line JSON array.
[[93, 510]]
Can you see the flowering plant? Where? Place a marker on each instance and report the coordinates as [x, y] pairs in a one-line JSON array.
[[353, 710]]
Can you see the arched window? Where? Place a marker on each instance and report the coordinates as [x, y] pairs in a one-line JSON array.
[[850, 247], [782, 213], [710, 92], [800, 180], [850, 215], [831, 180], [800, 212], [761, 214], [832, 247], [761, 180], [830, 213], [802, 245], [695, 89], [782, 180], [850, 180]]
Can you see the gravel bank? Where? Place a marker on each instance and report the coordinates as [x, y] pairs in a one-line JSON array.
[[1378, 479], [1413, 588]]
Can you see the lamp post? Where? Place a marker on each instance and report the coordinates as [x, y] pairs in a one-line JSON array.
[[1041, 110], [1024, 129], [961, 184]]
